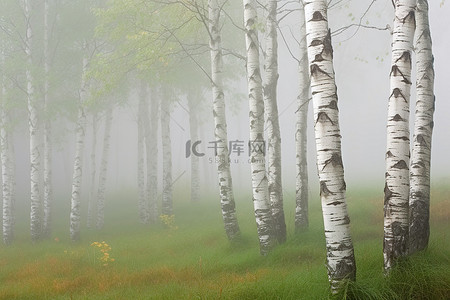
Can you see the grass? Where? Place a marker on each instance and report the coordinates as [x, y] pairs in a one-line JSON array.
[[195, 261]]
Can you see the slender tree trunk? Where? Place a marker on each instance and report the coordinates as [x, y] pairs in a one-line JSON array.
[[152, 157], [340, 256], [48, 191], [261, 201], [193, 129], [104, 170], [8, 219], [167, 205], [35, 212], [301, 191], [396, 191], [273, 124], [92, 203], [142, 202], [419, 199], [221, 136], [75, 204]]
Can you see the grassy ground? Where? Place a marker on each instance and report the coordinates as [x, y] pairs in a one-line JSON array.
[[195, 261]]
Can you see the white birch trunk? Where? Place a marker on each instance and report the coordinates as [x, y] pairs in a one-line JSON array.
[[142, 201], [167, 205], [193, 130], [396, 191], [419, 199], [261, 201], [8, 219], [302, 190], [48, 191], [92, 202], [221, 136], [272, 122], [152, 157], [104, 170], [75, 203], [35, 157], [340, 255]]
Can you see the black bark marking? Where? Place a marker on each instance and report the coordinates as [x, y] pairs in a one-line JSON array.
[[396, 93], [406, 56], [317, 16], [344, 186], [334, 203], [397, 118], [318, 58], [389, 154], [327, 46], [315, 70], [335, 160], [422, 142], [323, 117], [345, 270], [411, 16], [315, 43], [403, 138], [387, 194], [401, 164], [396, 71], [331, 105], [324, 191]]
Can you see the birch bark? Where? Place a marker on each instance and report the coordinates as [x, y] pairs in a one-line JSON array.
[[75, 204], [261, 201], [419, 199], [152, 157], [167, 205], [396, 191], [222, 159], [340, 255], [301, 190], [272, 122], [193, 130], [142, 202], [33, 124], [104, 170], [92, 203]]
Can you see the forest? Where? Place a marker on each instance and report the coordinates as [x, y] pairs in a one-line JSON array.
[[218, 149]]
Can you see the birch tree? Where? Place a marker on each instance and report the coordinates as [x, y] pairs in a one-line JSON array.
[[104, 169], [142, 201], [167, 201], [396, 191], [340, 255], [193, 132], [272, 122], [75, 203], [261, 201], [227, 203], [92, 203], [301, 190], [152, 157], [419, 199]]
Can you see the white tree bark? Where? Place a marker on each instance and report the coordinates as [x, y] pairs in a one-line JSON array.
[[75, 203], [35, 211], [301, 190], [48, 190], [396, 191], [193, 130], [104, 170], [261, 201], [152, 157], [419, 199], [142, 202], [92, 202], [221, 136], [8, 219], [340, 256], [272, 122], [167, 205]]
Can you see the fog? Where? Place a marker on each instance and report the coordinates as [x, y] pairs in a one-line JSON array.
[[362, 65]]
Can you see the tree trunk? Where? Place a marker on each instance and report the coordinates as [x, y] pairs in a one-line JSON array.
[[419, 199], [272, 125], [8, 220], [92, 203], [75, 204], [301, 190], [35, 211], [396, 191], [152, 158], [340, 256], [48, 190], [104, 170], [167, 205], [222, 159], [142, 202], [261, 202], [193, 129]]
